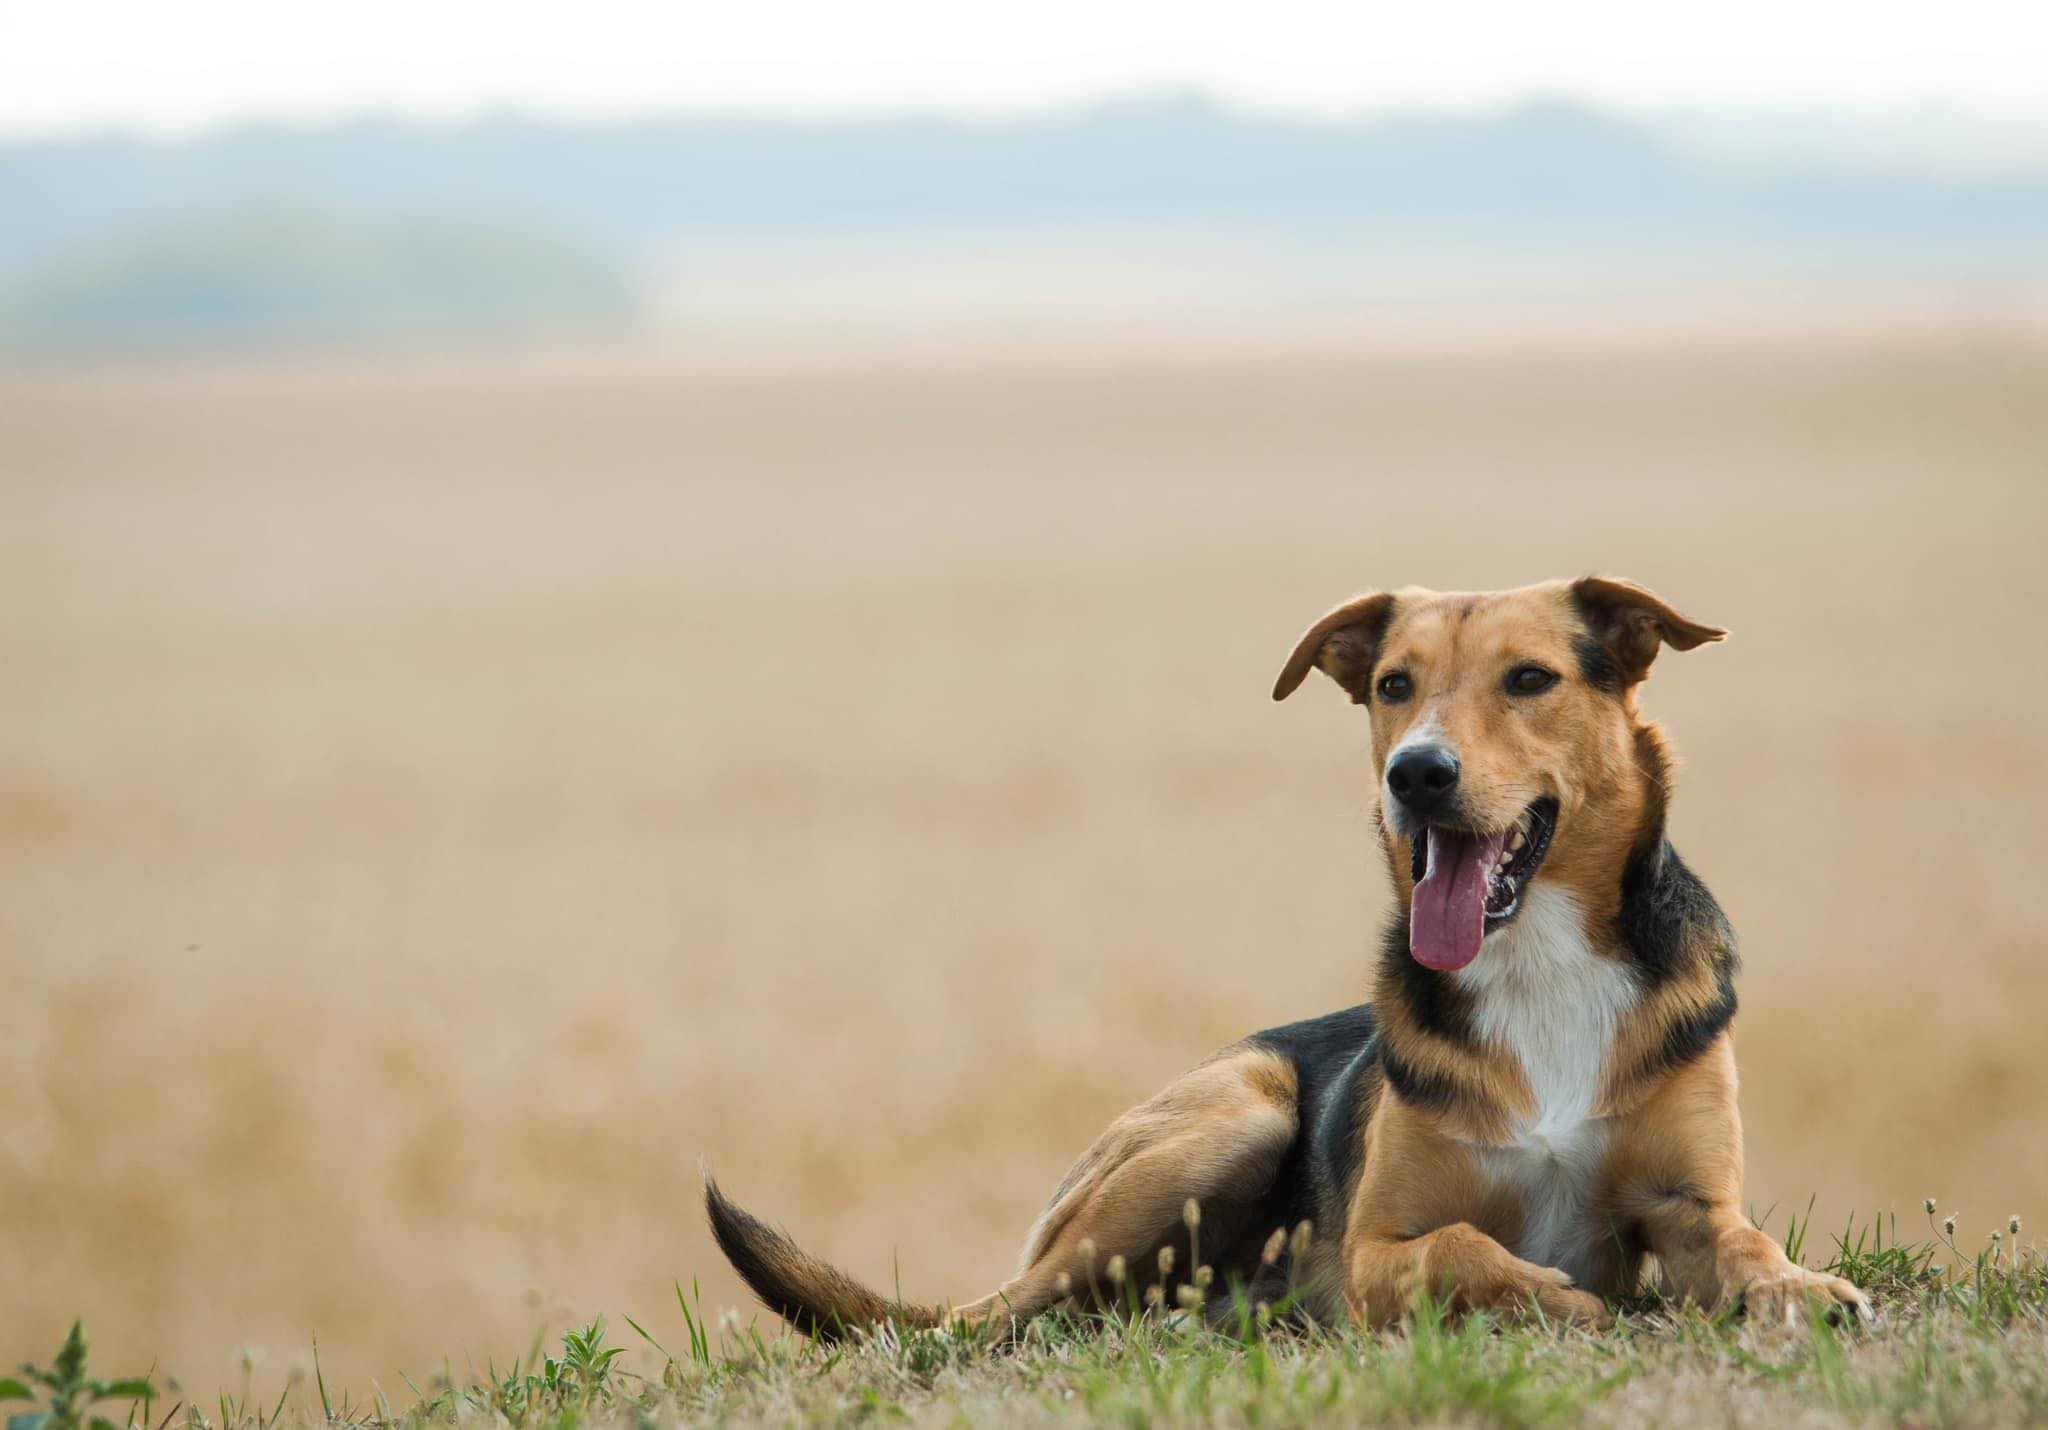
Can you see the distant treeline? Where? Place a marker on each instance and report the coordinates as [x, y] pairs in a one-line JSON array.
[[378, 224], [300, 274]]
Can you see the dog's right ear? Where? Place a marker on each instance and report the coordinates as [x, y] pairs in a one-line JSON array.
[[1343, 645]]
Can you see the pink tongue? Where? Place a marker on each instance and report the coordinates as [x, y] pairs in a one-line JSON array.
[[1447, 915]]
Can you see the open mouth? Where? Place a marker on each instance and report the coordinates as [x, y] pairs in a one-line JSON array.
[[1468, 884]]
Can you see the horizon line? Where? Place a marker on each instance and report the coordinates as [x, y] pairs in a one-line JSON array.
[[1990, 117]]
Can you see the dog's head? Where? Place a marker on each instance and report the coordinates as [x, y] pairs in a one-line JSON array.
[[1506, 738]]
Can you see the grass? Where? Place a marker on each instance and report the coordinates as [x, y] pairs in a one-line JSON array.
[[1962, 1340]]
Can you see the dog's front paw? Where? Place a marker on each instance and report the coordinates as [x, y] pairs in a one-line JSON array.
[[1551, 1291], [1784, 1299], [1574, 1307]]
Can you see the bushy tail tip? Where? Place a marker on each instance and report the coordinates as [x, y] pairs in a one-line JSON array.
[[818, 1299]]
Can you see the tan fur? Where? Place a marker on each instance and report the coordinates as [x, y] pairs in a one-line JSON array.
[[1489, 1088], [1606, 768], [1670, 1183], [1423, 1222], [1215, 1136], [1677, 1173], [1340, 643], [1424, 1215]]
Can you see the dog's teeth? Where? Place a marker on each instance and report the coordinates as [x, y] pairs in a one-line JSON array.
[[1518, 841]]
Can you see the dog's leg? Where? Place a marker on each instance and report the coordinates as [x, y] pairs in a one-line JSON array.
[[1711, 1255], [1216, 1137], [1425, 1223], [1679, 1164], [1464, 1269]]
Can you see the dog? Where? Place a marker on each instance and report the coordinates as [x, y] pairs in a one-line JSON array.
[[1540, 1096]]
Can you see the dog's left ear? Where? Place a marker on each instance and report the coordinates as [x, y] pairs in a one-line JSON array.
[[1632, 622], [1343, 645]]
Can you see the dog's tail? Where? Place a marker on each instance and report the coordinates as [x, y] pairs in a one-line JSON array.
[[817, 1299]]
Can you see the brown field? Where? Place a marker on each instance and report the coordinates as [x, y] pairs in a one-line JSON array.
[[440, 801]]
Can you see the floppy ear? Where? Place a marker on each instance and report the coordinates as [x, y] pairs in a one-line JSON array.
[[1343, 645], [1628, 624]]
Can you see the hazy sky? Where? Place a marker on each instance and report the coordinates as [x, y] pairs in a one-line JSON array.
[[172, 66]]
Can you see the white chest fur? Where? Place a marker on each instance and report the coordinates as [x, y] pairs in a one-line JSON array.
[[1540, 994]]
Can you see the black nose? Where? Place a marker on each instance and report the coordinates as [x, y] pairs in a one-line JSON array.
[[1423, 778]]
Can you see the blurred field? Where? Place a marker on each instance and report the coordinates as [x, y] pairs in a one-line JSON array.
[[439, 801]]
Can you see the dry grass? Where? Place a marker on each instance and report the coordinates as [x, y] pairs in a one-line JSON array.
[[1961, 1339], [440, 802]]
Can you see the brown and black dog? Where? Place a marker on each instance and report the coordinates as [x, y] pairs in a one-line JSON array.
[[1541, 1093]]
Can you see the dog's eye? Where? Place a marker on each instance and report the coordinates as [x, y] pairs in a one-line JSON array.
[[1395, 686], [1530, 680]]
